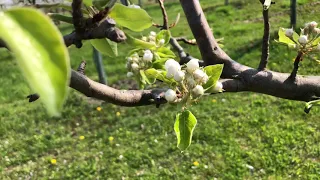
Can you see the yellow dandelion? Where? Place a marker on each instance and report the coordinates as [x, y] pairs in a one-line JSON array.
[[214, 100], [81, 137], [196, 163], [111, 138], [53, 161], [118, 113], [99, 108]]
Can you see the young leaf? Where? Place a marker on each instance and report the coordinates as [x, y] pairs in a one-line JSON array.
[[184, 126], [41, 54], [214, 73], [164, 52], [137, 43], [131, 18], [105, 46], [60, 17], [284, 39], [310, 104], [164, 34]]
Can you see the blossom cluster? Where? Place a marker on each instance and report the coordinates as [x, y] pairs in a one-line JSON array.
[[308, 34], [190, 77], [152, 38], [135, 63]]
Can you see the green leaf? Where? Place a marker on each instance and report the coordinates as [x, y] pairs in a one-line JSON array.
[[316, 41], [310, 104], [151, 75], [87, 2], [214, 73], [284, 39], [184, 126], [41, 54], [164, 34], [137, 43], [131, 18], [60, 17], [164, 52], [105, 46]]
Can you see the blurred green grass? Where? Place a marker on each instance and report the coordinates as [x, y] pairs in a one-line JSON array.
[[234, 130]]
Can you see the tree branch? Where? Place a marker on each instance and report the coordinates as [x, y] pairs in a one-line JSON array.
[[164, 15], [96, 90], [240, 77], [104, 30], [265, 40]]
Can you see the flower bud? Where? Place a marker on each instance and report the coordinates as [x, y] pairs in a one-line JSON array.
[[135, 55], [200, 76], [148, 56], [313, 24], [197, 91], [179, 76], [303, 39], [191, 83], [135, 59], [144, 38], [172, 62], [171, 71], [129, 74], [161, 42], [152, 38], [192, 65], [170, 95], [289, 32], [152, 33], [218, 87], [316, 30], [135, 67], [129, 59]]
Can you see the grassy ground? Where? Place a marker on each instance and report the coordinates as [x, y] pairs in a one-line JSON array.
[[234, 131]]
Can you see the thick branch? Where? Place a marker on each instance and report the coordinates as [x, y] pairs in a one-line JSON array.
[[104, 30], [240, 77], [96, 90], [265, 41]]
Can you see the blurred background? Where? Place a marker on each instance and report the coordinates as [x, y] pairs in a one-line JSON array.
[[238, 135]]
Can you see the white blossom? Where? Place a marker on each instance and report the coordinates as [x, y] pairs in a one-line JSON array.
[[289, 32], [148, 56], [161, 42], [152, 33], [218, 87], [172, 67], [192, 65], [313, 24], [170, 95], [134, 67], [303, 39], [129, 74], [191, 82], [144, 38], [200, 76], [198, 91], [179, 76]]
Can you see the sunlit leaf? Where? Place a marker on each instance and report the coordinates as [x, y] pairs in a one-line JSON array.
[[131, 18], [214, 73], [40, 52], [137, 43], [310, 104], [184, 126], [284, 39], [60, 17], [105, 46], [164, 34]]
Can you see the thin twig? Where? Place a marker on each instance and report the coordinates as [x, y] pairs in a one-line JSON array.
[[294, 72], [185, 40], [265, 41], [164, 14]]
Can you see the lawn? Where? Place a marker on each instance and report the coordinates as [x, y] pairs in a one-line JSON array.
[[238, 135]]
